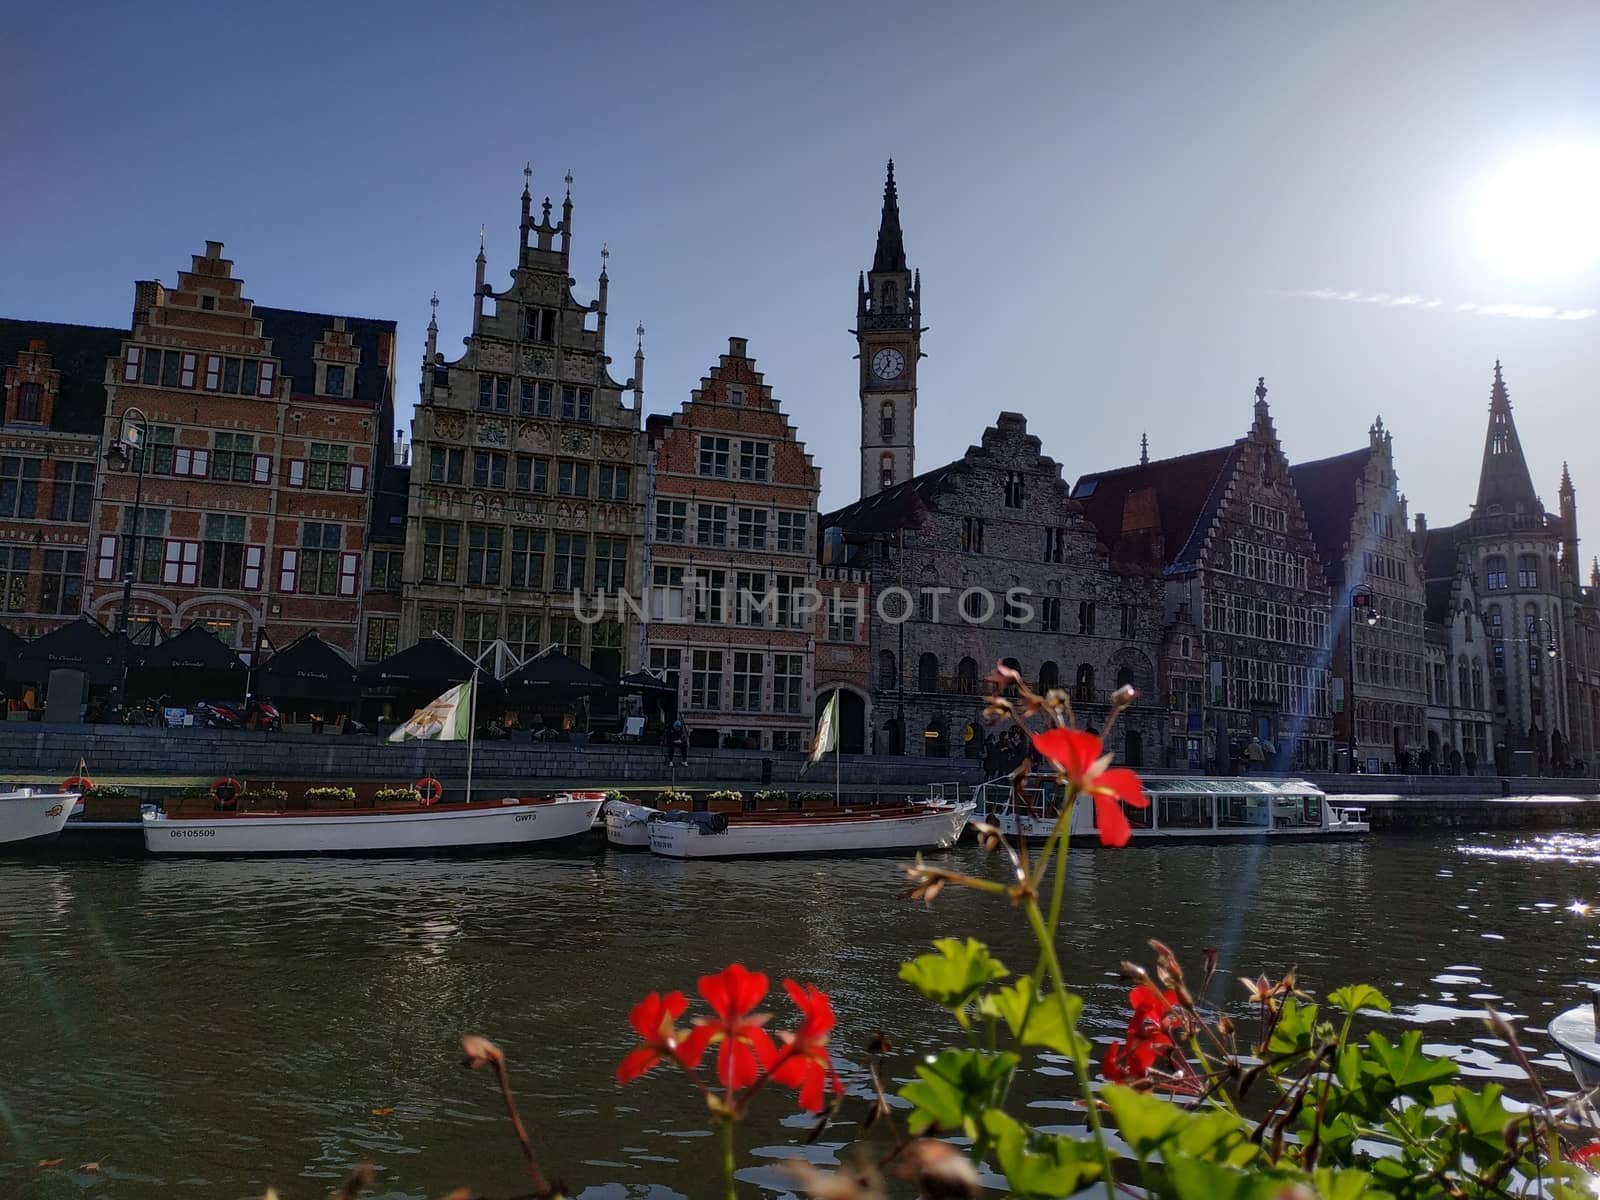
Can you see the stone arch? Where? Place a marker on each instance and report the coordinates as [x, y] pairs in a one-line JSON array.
[[928, 673], [1049, 675], [1133, 667], [967, 676], [936, 739]]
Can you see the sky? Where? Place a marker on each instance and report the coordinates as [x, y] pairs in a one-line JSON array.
[[1123, 214]]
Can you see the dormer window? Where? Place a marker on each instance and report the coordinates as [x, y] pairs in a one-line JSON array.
[[333, 379], [736, 397], [30, 402], [541, 325]]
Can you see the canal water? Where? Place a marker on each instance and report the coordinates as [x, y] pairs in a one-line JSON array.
[[205, 1029]]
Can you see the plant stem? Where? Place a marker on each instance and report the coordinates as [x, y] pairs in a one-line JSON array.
[[727, 1159]]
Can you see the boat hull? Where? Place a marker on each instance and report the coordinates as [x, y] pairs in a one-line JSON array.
[[29, 820], [769, 837], [1574, 1032], [1036, 829], [628, 825], [460, 828]]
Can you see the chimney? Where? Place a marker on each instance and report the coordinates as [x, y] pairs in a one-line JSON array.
[[213, 249], [146, 296]]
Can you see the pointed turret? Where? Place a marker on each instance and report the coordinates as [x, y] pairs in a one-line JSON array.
[[1144, 449], [637, 382], [1570, 566], [891, 252], [479, 288], [1504, 484]]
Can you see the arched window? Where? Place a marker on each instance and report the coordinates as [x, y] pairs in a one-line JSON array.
[[1083, 688], [1494, 567], [1477, 685], [1124, 676], [1464, 688], [887, 676], [1496, 626], [928, 673], [967, 677], [891, 297], [1527, 572], [1049, 676], [886, 470], [886, 418]]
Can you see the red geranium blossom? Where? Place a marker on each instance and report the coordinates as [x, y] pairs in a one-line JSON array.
[[1128, 1060], [1082, 758], [744, 1047], [653, 1018], [803, 1061]]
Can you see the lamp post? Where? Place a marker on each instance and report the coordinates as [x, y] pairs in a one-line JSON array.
[[132, 444], [1362, 603]]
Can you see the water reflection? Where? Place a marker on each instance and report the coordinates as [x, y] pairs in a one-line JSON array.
[[207, 1028]]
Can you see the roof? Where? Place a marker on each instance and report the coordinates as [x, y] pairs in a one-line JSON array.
[[893, 508], [1504, 484], [1175, 496], [79, 352], [391, 501], [1440, 553], [890, 254], [295, 336], [1328, 490], [431, 662]]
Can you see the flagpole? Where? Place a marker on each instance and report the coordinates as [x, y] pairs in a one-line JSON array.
[[472, 725]]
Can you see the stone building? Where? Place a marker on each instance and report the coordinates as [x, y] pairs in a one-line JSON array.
[[1357, 517], [988, 559], [1225, 530], [889, 340], [52, 387], [264, 429], [528, 471], [1460, 713], [733, 564], [386, 552], [1582, 608]]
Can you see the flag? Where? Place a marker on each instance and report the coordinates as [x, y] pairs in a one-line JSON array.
[[827, 735], [445, 719]]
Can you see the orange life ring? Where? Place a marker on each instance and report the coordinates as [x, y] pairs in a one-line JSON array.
[[77, 783], [225, 792], [429, 790]]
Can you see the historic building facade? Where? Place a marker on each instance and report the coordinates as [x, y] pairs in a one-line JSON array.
[[1357, 518], [1460, 714], [734, 619], [526, 512], [1224, 528], [889, 342], [263, 428], [988, 560], [52, 387]]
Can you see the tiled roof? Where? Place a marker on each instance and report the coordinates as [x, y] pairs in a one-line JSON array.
[[79, 352], [1185, 492], [893, 508], [295, 336], [1440, 549], [1327, 491]]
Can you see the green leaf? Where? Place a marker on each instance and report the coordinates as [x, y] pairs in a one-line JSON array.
[[1047, 1026], [1217, 1137], [951, 1092], [1144, 1121], [1481, 1113], [1342, 1185], [1294, 1031], [1357, 996], [1406, 1066], [950, 976], [1040, 1165]]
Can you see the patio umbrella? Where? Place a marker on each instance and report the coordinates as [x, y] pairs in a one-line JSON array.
[[82, 645], [646, 683], [307, 669], [192, 665], [552, 673], [431, 664]]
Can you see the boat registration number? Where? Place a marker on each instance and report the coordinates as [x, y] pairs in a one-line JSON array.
[[183, 833], [527, 816]]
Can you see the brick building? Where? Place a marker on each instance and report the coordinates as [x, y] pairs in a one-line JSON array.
[[53, 378], [528, 471], [264, 428], [733, 565]]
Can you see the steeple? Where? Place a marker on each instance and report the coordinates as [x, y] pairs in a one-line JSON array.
[[891, 252], [1570, 566], [1144, 449], [1504, 485]]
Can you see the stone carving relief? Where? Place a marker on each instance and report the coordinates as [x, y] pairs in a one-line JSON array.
[[491, 432], [614, 446], [495, 356], [532, 437], [537, 362], [450, 426], [574, 441]]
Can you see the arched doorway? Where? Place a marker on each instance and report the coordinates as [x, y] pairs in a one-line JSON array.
[[1133, 749], [852, 717], [890, 741], [936, 740]]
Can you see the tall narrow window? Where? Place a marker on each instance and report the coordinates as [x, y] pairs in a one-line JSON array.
[[886, 419]]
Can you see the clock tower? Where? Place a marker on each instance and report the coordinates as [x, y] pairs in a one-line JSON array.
[[889, 336]]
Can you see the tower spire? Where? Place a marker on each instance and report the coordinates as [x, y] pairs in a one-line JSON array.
[[1504, 484], [1144, 449], [891, 252]]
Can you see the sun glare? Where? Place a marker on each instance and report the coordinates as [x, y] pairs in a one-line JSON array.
[[1538, 215]]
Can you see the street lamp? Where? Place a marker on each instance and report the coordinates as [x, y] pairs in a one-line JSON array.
[[1362, 604], [131, 445], [1550, 649]]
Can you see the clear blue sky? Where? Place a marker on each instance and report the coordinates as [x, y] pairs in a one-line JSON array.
[[1120, 213]]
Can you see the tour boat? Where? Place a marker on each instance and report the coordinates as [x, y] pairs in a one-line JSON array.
[[628, 825], [915, 826], [33, 818], [413, 829], [1574, 1031], [1186, 809]]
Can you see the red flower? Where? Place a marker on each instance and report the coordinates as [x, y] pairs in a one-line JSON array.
[[744, 1044], [1128, 1060], [1082, 758], [803, 1062], [653, 1019]]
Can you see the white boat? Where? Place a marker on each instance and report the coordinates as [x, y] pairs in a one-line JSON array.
[[33, 818], [628, 825], [509, 824], [1574, 1032], [1181, 809], [916, 826]]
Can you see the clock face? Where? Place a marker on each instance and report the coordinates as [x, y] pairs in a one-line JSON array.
[[887, 364]]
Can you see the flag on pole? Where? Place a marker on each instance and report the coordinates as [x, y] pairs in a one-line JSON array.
[[827, 735], [445, 719]]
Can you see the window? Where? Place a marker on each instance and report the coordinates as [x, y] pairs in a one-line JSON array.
[[572, 478], [14, 562], [788, 588], [19, 486], [752, 529], [928, 673], [533, 474], [1086, 616], [977, 606], [63, 582], [494, 393], [233, 457], [1050, 619], [536, 397], [571, 558], [147, 548], [480, 629], [714, 456], [666, 593], [844, 614], [436, 618], [1049, 676], [240, 376], [328, 469], [711, 524], [885, 470], [222, 552], [30, 402], [522, 633], [162, 443], [488, 469], [383, 637], [1527, 572], [614, 482], [967, 676], [705, 679], [577, 404], [786, 681], [755, 461], [887, 676], [792, 532], [610, 563], [748, 668], [972, 535], [319, 562], [484, 546], [736, 397], [672, 519], [708, 587], [540, 324], [1055, 544], [1083, 688], [1495, 568], [566, 634], [333, 379], [1130, 622], [527, 559], [1013, 613], [886, 419], [387, 569], [1270, 518], [1013, 489], [73, 491], [446, 465], [441, 552]]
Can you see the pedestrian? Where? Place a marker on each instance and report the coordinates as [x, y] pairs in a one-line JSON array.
[[677, 738]]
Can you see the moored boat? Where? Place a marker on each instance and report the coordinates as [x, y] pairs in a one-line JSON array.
[[1575, 1032], [916, 826], [31, 818], [628, 825], [1181, 809], [411, 829]]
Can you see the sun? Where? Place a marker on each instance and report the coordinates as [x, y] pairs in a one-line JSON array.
[[1538, 215]]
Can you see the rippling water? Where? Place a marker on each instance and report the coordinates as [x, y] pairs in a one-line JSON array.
[[208, 1028]]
